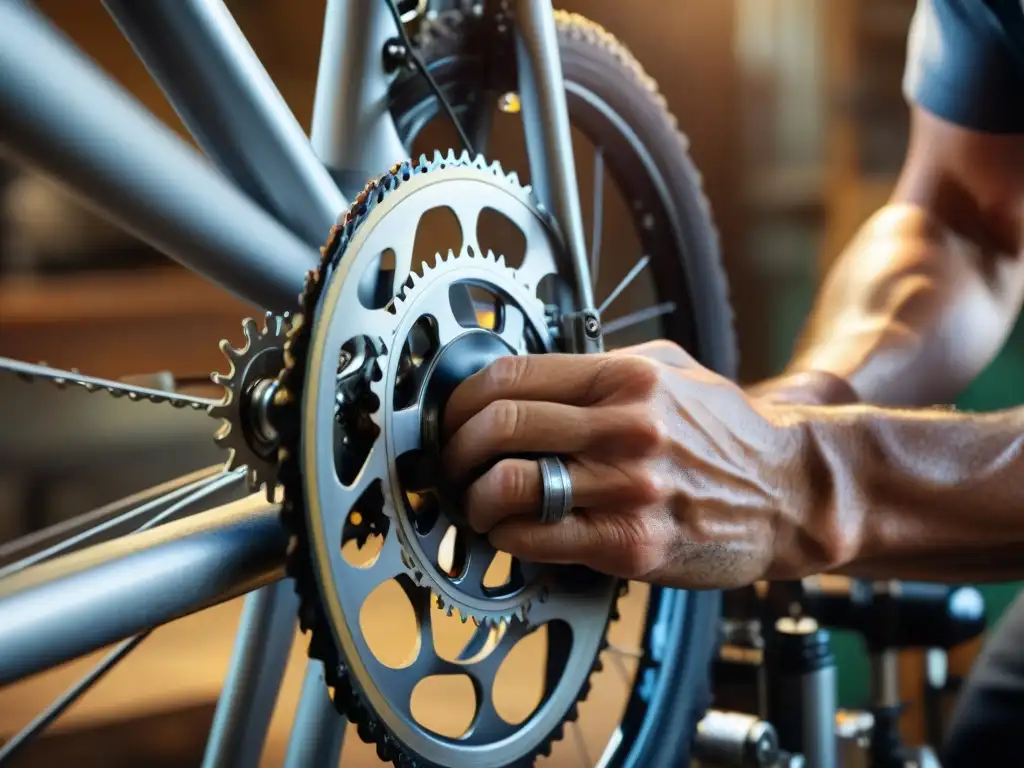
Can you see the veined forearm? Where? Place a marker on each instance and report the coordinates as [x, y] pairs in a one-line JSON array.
[[911, 312], [930, 494]]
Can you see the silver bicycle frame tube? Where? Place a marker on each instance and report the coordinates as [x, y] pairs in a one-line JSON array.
[[316, 738], [75, 604], [353, 133], [60, 114], [232, 108], [548, 138]]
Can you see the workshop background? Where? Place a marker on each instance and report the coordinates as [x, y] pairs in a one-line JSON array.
[[796, 120]]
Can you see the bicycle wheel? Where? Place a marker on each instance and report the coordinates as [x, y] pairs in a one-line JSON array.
[[616, 109]]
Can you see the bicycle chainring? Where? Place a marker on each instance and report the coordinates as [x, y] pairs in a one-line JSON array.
[[369, 454]]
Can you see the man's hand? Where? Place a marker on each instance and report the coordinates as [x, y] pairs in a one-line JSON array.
[[678, 476]]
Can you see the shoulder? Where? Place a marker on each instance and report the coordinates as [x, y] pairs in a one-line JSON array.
[[965, 62]]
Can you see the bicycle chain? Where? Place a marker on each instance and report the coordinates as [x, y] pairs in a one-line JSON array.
[[348, 700], [63, 378]]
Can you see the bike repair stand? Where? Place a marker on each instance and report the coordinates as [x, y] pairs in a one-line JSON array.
[[893, 616], [734, 734], [912, 615], [800, 677]]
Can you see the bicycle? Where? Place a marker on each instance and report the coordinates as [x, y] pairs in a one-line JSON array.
[[332, 404]]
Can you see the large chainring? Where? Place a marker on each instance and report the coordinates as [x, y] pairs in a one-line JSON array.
[[432, 321]]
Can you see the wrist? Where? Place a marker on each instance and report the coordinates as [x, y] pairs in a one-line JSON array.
[[817, 528]]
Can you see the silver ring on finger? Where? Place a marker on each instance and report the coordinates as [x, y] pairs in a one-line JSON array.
[[556, 489]]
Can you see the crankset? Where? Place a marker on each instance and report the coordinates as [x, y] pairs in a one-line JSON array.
[[369, 454]]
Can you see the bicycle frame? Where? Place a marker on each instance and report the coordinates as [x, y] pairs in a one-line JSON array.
[[250, 220]]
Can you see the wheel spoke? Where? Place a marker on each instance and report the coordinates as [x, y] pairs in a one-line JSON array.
[[64, 116], [20, 740], [232, 108], [629, 278], [620, 668], [629, 653], [183, 498], [158, 492], [640, 316], [581, 745], [598, 213]]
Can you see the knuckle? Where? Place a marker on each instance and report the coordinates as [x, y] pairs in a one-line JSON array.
[[508, 481], [648, 486], [646, 431], [602, 379], [639, 550], [506, 372], [503, 418], [642, 375]]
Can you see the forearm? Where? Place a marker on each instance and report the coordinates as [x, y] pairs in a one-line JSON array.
[[927, 494], [910, 313]]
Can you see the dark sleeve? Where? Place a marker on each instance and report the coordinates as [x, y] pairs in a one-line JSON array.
[[965, 63]]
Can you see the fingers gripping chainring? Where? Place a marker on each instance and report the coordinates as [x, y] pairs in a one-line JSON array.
[[383, 412], [436, 317]]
